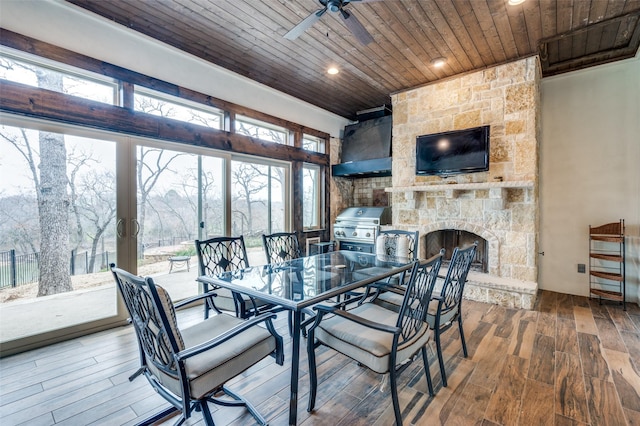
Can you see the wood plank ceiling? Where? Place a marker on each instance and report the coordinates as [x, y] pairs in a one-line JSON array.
[[246, 36]]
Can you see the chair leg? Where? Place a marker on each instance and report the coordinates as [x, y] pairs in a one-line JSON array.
[[394, 397], [443, 374], [239, 402], [427, 372], [464, 343], [313, 375], [206, 414]]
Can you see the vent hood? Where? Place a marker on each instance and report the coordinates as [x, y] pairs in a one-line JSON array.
[[366, 149]]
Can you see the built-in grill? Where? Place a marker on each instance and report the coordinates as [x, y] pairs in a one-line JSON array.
[[356, 228]]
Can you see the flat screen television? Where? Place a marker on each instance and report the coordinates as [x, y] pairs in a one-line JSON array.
[[455, 152]]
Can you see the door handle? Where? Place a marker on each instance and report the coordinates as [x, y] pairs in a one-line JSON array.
[[136, 226], [120, 228]]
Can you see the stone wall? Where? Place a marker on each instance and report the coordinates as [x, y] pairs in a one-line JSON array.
[[505, 97]]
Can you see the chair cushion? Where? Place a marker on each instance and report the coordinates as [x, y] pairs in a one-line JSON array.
[[212, 368], [445, 317], [366, 345], [165, 300], [389, 300], [224, 301]]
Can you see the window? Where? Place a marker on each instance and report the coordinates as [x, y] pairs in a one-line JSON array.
[[261, 130], [70, 82], [178, 109], [311, 202], [313, 143]]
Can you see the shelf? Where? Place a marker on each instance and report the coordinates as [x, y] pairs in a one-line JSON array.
[[608, 238], [612, 295], [608, 275], [452, 190], [609, 257], [606, 262], [462, 186]]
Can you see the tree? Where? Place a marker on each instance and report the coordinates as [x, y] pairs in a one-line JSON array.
[[246, 179], [152, 162], [98, 205]]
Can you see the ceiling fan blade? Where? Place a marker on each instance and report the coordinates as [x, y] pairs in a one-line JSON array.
[[356, 28], [305, 24]]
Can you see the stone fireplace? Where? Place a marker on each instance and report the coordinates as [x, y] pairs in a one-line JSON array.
[[499, 206]]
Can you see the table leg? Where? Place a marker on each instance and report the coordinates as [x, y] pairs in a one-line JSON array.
[[295, 368]]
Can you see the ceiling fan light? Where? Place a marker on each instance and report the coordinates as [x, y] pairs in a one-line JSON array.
[[438, 62]]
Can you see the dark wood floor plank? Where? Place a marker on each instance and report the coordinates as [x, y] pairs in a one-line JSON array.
[[632, 342], [625, 377], [537, 404], [522, 343], [505, 402], [471, 405], [489, 359], [541, 367], [569, 361], [547, 324], [566, 336], [564, 306], [633, 417], [584, 320], [622, 320], [571, 400], [610, 337], [604, 405], [593, 362]]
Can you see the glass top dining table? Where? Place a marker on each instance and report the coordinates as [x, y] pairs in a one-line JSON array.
[[300, 283]]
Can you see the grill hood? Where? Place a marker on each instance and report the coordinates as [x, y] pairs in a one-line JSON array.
[[365, 215]]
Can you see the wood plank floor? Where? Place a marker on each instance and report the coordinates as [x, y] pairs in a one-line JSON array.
[[570, 361]]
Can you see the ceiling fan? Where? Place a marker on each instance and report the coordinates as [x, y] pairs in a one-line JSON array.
[[352, 23]]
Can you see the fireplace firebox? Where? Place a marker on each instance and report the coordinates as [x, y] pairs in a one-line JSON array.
[[452, 238]]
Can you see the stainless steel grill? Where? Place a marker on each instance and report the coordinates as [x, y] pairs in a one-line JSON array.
[[356, 228]]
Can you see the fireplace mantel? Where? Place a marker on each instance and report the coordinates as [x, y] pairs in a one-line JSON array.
[[452, 190], [462, 186]]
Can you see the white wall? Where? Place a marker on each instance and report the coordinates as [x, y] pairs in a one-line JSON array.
[[70, 27], [589, 170]]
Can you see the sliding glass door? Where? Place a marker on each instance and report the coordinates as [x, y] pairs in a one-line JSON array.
[[57, 230]]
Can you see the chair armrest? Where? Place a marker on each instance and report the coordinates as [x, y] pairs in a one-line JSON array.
[[193, 299], [218, 340], [359, 320]]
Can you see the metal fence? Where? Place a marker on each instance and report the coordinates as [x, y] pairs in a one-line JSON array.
[[22, 269]]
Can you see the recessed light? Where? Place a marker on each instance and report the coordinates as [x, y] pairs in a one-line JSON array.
[[333, 71], [515, 2], [438, 62]]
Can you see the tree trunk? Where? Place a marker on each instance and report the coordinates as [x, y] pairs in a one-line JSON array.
[[53, 207]]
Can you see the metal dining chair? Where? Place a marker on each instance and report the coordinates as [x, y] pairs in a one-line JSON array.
[[445, 308], [223, 254], [281, 246], [384, 340], [394, 242], [189, 366]]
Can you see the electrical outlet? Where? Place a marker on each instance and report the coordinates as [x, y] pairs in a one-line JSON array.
[[581, 268]]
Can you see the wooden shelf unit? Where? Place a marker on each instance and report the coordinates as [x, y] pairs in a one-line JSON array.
[[606, 262]]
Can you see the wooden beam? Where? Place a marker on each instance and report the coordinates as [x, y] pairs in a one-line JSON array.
[[45, 104]]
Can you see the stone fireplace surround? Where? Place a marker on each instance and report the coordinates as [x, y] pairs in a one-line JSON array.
[[500, 205], [506, 282]]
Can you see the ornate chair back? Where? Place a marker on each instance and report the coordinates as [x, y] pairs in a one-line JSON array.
[[413, 312], [221, 254], [398, 243], [281, 246], [455, 280]]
